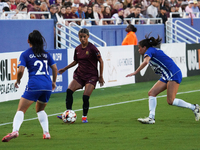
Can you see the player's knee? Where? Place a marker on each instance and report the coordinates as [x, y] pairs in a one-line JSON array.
[[150, 93]]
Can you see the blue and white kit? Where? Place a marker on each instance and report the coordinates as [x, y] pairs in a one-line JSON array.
[[163, 65]]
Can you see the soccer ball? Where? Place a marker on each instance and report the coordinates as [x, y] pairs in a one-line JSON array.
[[69, 116]]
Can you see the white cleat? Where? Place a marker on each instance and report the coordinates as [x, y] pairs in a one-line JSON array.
[[197, 112], [146, 120]]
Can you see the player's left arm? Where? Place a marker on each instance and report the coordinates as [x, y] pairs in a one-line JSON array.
[[101, 80], [144, 63], [54, 73], [20, 73]]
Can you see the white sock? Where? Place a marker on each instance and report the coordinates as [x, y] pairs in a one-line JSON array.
[[182, 103], [43, 119], [17, 121], [152, 106]]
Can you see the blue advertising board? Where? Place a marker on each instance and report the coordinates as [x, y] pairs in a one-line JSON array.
[[60, 57]]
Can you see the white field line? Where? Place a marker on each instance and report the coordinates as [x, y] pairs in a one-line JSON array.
[[107, 105]]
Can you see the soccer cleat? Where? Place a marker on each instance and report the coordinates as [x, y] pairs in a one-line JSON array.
[[196, 112], [10, 136], [146, 120], [46, 135], [84, 120], [60, 117]]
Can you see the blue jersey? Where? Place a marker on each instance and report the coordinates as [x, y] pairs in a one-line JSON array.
[[161, 63], [39, 78]]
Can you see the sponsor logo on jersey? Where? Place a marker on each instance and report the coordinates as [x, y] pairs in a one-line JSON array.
[[98, 54]]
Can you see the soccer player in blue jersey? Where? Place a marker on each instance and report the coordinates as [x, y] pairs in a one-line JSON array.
[[170, 80], [39, 86]]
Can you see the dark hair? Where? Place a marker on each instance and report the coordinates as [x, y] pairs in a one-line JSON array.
[[150, 41], [84, 30], [138, 6], [59, 13], [67, 4], [6, 8], [21, 6], [38, 42], [133, 28]]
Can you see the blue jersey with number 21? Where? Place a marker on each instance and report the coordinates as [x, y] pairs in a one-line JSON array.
[[39, 78]]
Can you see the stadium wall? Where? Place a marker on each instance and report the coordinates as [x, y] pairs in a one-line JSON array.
[[113, 35], [14, 33], [118, 62]]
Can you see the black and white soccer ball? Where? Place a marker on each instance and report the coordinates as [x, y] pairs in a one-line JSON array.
[[69, 116]]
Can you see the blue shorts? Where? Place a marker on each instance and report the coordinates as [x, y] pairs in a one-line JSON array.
[[177, 77], [42, 96]]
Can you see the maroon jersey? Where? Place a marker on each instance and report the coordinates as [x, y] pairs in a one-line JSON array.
[[87, 59], [68, 16]]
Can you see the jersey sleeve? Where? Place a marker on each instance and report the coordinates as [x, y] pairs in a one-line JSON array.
[[150, 51], [97, 52], [75, 56], [50, 61], [22, 60]]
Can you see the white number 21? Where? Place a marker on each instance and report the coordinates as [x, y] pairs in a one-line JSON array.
[[40, 72]]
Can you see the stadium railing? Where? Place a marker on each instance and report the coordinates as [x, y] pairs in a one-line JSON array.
[[36, 12], [184, 14], [15, 15], [178, 31], [63, 31], [87, 22]]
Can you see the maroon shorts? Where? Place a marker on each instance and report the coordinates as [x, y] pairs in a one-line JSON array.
[[83, 81]]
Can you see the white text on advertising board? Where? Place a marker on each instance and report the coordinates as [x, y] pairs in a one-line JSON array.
[[124, 62], [193, 59]]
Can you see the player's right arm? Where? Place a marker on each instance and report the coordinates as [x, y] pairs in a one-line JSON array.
[[67, 67], [144, 63]]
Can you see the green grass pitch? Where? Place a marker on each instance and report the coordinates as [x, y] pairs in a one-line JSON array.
[[113, 125]]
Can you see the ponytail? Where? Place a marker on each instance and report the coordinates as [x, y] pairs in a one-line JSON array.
[[150, 41], [38, 42]]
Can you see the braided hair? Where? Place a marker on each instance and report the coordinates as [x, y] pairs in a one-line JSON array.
[[150, 41], [84, 30]]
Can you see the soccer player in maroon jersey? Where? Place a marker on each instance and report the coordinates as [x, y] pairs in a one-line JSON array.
[[87, 56]]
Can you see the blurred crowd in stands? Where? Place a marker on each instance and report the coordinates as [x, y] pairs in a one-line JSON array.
[[60, 10]]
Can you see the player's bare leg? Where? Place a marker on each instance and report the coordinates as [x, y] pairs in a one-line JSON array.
[[172, 89], [18, 119]]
